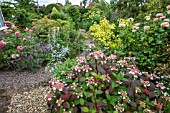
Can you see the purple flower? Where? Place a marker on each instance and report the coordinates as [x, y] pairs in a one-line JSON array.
[[30, 57]]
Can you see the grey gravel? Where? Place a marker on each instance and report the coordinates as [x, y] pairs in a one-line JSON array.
[[30, 101], [27, 90], [19, 80]]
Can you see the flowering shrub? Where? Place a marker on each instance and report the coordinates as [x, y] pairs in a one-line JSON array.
[[147, 40], [101, 82], [21, 50], [103, 32]]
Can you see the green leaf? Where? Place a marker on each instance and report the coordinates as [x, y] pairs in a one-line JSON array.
[[82, 101], [87, 74], [76, 102], [91, 87], [151, 104], [108, 97], [84, 109], [68, 105], [150, 39], [61, 109], [114, 84], [116, 111], [98, 92], [92, 111]]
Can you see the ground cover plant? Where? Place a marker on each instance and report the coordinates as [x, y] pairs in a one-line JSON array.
[[102, 82]]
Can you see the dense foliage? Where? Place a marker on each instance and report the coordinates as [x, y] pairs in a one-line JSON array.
[[104, 83], [101, 79]]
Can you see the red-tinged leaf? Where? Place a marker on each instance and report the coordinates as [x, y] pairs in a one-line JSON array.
[[65, 90], [82, 79], [143, 78], [67, 96], [137, 96], [136, 83], [151, 94], [132, 103], [100, 104], [75, 110], [90, 105], [106, 67], [152, 85], [130, 91], [110, 89], [126, 82], [101, 70], [65, 106], [146, 91]]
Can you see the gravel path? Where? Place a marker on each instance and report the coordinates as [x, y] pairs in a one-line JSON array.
[[25, 91], [30, 101], [18, 80]]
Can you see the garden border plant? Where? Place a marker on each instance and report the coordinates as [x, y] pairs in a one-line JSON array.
[[105, 83]]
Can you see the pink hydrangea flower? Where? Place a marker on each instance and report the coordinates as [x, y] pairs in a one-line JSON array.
[[17, 33], [19, 48], [81, 60], [86, 68]]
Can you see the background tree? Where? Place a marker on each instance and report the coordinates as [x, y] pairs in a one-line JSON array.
[[84, 3], [74, 13], [67, 2], [26, 4]]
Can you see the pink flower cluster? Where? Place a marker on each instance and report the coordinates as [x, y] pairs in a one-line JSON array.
[[81, 60], [57, 85], [91, 81], [15, 56], [97, 54], [2, 44]]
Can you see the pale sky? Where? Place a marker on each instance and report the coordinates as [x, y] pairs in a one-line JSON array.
[[46, 2], [74, 2]]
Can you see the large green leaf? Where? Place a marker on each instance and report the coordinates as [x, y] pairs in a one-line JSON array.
[[84, 109]]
